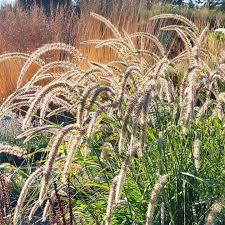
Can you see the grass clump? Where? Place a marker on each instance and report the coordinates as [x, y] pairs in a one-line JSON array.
[[145, 134]]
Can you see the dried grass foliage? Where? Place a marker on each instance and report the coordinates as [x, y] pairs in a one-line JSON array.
[[37, 30]]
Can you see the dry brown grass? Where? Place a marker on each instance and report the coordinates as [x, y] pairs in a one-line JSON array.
[[9, 72], [22, 31]]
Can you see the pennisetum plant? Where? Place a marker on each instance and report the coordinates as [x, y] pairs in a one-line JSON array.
[[130, 88]]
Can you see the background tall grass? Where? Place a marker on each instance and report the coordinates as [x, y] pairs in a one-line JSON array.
[[24, 31]]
